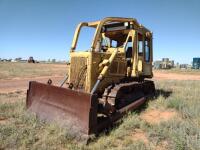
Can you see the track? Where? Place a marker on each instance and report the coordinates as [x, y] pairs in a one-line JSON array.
[[120, 95]]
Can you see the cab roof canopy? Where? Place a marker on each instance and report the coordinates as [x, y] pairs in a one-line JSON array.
[[113, 20]]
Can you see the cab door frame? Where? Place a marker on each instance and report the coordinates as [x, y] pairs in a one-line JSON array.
[[144, 66], [148, 56], [134, 59]]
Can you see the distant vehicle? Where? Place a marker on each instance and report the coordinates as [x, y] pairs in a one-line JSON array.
[[31, 60]]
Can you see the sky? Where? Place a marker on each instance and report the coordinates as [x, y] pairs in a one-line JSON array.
[[44, 28]]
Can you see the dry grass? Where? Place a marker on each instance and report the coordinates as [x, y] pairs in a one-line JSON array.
[[9, 70], [20, 130]]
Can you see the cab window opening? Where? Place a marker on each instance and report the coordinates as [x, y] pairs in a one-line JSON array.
[[140, 44], [113, 39], [129, 48], [147, 50], [129, 51], [84, 39]]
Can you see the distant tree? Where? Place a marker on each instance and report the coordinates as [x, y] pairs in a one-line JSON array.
[[18, 59]]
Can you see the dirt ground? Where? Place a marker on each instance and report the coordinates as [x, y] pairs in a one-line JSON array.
[[139, 135], [21, 84], [156, 116], [14, 88], [159, 75]]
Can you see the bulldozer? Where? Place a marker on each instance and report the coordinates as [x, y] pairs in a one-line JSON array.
[[103, 83]]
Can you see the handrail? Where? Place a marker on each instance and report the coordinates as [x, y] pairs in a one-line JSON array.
[[76, 35]]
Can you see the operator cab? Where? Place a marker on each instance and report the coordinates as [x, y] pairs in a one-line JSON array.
[[132, 40]]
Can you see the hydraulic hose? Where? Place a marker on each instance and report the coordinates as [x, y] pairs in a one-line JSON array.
[[104, 70]]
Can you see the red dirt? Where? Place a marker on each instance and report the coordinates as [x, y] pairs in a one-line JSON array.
[[3, 120], [157, 116], [162, 145], [139, 135], [159, 75], [19, 84]]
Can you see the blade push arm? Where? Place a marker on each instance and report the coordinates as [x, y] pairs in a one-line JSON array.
[[107, 64]]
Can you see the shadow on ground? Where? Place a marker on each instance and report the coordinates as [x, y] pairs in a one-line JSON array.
[[158, 93], [163, 93]]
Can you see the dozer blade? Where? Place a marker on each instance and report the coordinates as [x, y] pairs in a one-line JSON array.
[[75, 110]]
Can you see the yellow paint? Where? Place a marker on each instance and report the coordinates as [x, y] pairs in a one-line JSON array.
[[111, 65]]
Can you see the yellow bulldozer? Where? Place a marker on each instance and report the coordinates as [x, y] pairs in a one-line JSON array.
[[103, 83]]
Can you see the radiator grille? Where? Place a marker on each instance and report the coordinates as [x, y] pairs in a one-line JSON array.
[[78, 71]]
